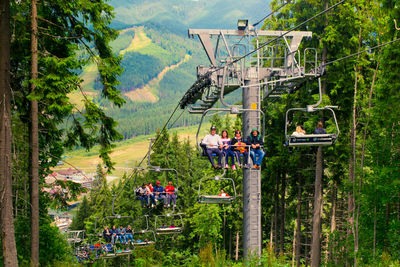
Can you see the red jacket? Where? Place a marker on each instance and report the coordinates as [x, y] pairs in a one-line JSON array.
[[169, 189]]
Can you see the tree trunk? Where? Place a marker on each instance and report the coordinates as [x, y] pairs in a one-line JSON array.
[[271, 235], [333, 218], [294, 244], [34, 143], [374, 241], [224, 230], [282, 210], [6, 204], [353, 158], [298, 225], [276, 215], [387, 216], [237, 247], [316, 221], [230, 243], [307, 229]]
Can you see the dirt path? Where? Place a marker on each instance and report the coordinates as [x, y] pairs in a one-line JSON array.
[[145, 93]]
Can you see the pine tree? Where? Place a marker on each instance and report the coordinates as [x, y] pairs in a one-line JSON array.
[[84, 211]]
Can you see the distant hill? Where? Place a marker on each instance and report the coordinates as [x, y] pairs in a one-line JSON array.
[[188, 13], [158, 58]]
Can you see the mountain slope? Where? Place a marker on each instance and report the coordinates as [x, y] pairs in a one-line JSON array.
[[159, 59], [201, 13]]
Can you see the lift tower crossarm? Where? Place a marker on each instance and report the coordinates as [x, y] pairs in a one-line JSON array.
[[205, 36], [193, 32]]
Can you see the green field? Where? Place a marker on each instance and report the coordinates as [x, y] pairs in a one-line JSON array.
[[126, 154]]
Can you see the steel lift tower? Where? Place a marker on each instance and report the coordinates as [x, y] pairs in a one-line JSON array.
[[276, 67]]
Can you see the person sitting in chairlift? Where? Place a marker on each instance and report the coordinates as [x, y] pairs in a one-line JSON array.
[[150, 196], [320, 128], [114, 234], [141, 194], [226, 149], [223, 194], [121, 234], [170, 190], [107, 234], [159, 193], [163, 226], [256, 142], [238, 146], [172, 225], [212, 142], [299, 131], [129, 234]]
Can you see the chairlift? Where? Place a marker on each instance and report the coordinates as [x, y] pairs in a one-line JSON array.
[[158, 169], [312, 139], [217, 198], [144, 238], [75, 236], [174, 226]]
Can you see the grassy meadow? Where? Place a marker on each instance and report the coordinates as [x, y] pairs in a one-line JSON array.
[[126, 153]]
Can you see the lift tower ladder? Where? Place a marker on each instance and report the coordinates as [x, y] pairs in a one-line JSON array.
[[231, 67]]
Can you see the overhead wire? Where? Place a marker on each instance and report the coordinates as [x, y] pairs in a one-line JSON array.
[[288, 31], [273, 12], [361, 52], [276, 38]]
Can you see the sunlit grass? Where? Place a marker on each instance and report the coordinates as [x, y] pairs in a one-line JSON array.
[[126, 153]]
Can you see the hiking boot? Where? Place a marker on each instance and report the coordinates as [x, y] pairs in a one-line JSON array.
[[226, 166], [256, 166], [233, 167]]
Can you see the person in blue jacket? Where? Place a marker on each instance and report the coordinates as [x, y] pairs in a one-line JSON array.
[[256, 152], [159, 193], [114, 234], [320, 128], [121, 234]]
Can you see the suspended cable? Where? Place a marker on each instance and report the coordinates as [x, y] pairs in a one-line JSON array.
[[273, 12], [286, 32], [361, 52], [275, 39], [172, 124]]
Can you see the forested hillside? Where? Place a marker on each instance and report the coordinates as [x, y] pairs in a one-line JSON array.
[[180, 14], [153, 38], [159, 66]]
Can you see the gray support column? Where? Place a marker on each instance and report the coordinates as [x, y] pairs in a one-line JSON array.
[[251, 177]]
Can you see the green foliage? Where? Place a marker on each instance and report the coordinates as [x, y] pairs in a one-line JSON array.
[[84, 210]]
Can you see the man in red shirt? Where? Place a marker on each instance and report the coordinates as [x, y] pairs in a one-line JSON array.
[[223, 194], [170, 190]]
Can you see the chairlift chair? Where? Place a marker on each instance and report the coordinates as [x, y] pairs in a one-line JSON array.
[[142, 242], [158, 169], [76, 236], [162, 229], [216, 199], [312, 139]]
